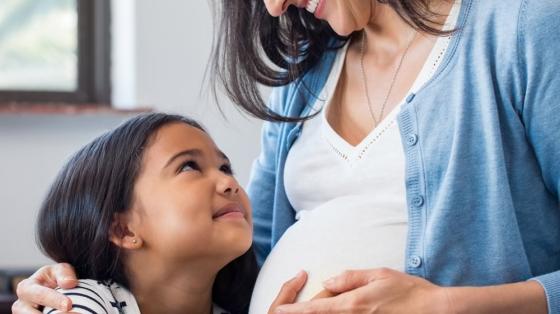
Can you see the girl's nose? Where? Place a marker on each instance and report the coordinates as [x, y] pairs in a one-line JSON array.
[[227, 185], [278, 7]]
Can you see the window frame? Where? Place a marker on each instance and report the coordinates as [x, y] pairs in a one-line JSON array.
[[94, 50]]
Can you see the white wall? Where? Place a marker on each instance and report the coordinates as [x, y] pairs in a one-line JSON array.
[[171, 42], [32, 150]]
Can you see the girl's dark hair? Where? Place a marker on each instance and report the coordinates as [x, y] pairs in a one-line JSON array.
[[97, 182], [251, 47]]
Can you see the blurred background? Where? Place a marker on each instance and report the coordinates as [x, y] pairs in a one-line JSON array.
[[72, 69]]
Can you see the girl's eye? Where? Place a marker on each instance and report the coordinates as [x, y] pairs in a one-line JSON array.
[[226, 168], [189, 166]]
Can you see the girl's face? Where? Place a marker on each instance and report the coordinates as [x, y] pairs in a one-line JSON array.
[[344, 16], [188, 207]]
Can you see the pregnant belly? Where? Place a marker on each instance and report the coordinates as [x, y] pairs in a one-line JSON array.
[[326, 242]]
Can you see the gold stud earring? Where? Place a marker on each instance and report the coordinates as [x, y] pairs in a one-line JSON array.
[[134, 241]]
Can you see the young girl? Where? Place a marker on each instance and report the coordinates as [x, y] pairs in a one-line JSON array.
[[435, 151], [151, 213]]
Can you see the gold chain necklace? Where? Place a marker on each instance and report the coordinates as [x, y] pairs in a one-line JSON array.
[[362, 53]]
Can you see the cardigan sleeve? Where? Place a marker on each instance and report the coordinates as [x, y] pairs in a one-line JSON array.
[[539, 50]]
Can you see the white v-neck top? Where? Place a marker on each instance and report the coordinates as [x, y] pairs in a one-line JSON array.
[[350, 201]]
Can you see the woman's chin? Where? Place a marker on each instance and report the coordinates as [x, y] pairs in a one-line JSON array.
[[343, 30]]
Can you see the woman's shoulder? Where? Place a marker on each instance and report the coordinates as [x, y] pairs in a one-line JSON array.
[[92, 296], [538, 36], [539, 16], [522, 15], [498, 19]]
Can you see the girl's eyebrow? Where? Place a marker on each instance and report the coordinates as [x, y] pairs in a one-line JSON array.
[[222, 155], [193, 153], [189, 152]]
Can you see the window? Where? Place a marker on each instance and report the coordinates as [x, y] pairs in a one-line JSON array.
[[54, 51]]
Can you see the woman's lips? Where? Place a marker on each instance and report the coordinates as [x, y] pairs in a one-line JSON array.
[[319, 10]]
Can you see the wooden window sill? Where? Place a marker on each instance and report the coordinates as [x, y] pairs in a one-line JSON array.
[[17, 108]]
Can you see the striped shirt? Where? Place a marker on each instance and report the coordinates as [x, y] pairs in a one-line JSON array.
[[104, 297]]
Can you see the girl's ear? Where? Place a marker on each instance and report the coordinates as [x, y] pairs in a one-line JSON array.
[[122, 233]]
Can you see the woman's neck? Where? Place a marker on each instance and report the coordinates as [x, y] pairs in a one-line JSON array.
[[162, 288]]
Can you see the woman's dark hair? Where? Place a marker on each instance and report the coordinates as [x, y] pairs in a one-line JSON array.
[[251, 47], [96, 183]]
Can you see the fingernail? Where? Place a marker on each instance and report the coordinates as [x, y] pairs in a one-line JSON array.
[[65, 305], [279, 310], [299, 274]]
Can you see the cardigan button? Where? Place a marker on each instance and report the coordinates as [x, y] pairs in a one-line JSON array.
[[411, 139], [418, 201], [415, 261]]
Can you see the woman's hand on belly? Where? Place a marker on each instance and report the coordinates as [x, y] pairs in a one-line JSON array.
[[289, 291], [324, 294], [383, 290]]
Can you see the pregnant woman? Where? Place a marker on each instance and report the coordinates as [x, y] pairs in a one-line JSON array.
[[414, 141], [347, 189], [433, 156]]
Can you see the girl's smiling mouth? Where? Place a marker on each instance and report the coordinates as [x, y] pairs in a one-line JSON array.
[[232, 210]]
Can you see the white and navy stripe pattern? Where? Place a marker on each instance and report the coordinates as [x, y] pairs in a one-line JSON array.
[[96, 297]]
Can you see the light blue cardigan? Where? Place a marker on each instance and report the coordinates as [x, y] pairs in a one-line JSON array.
[[482, 146]]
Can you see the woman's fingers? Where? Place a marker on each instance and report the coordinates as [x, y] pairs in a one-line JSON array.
[[39, 289], [354, 279], [30, 292], [64, 276], [20, 307], [289, 291], [324, 294]]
